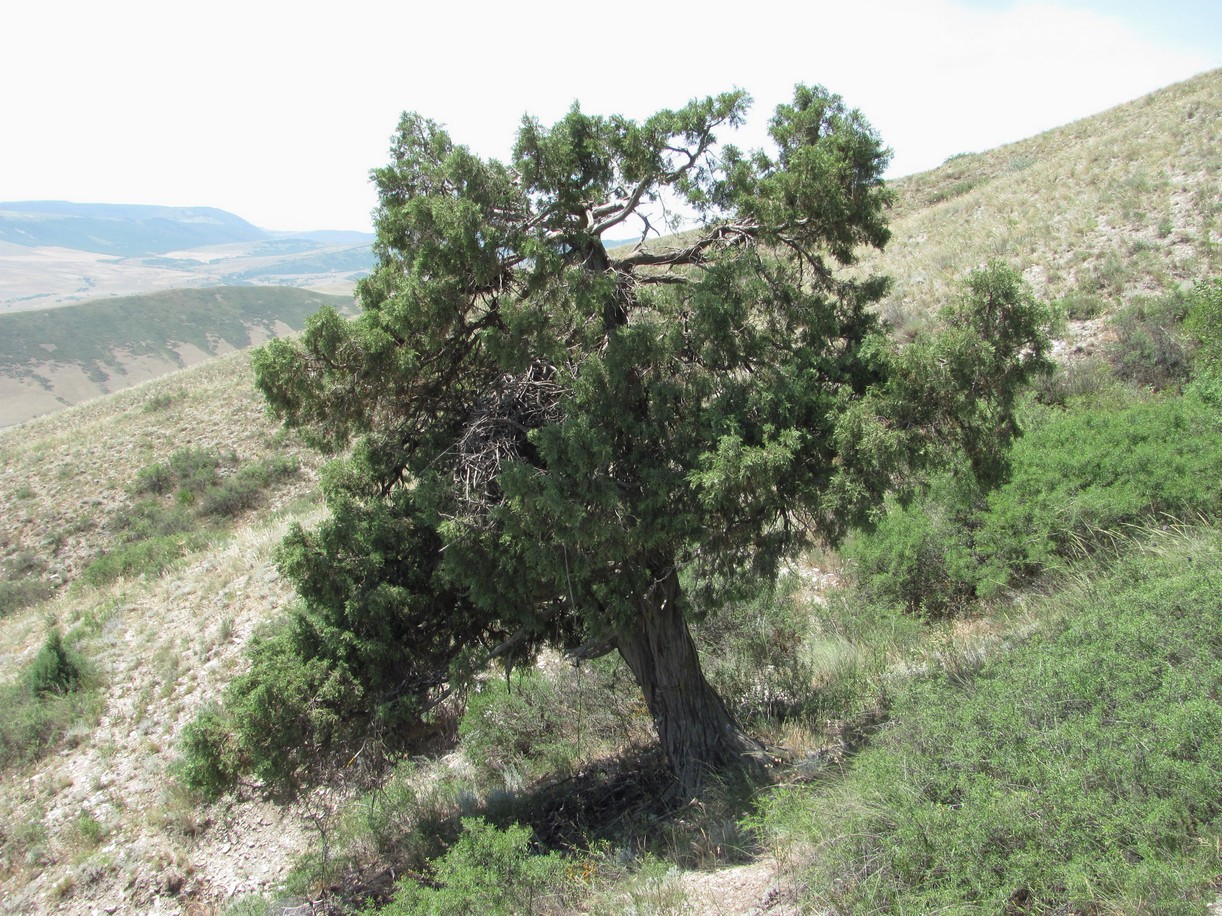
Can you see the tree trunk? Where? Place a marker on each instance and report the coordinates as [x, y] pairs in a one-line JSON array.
[[696, 729]]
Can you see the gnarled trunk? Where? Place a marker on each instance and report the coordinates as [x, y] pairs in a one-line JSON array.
[[696, 729]]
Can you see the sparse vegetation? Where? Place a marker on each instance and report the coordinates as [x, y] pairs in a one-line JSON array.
[[193, 498], [48, 698]]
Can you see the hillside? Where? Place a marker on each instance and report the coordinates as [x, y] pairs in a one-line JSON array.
[[161, 588], [50, 359], [1095, 212]]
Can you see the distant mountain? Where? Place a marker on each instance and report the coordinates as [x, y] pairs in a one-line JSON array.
[[126, 230], [54, 252]]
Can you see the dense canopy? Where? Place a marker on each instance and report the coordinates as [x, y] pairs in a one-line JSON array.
[[561, 438]]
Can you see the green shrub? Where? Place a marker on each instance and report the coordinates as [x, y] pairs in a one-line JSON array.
[[55, 668], [1081, 480], [196, 469], [1085, 479], [209, 763], [156, 479], [48, 697], [141, 558], [755, 652], [150, 518], [1077, 772], [16, 595], [1204, 323], [1084, 383], [919, 557], [488, 871], [190, 469], [1080, 305], [243, 489], [282, 720]]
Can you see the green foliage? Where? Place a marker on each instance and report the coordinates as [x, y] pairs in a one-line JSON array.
[[244, 489], [487, 871], [147, 557], [22, 585], [55, 669], [189, 469], [48, 697], [186, 490], [756, 652], [920, 556], [530, 724], [18, 594], [280, 720], [951, 393], [556, 438], [1081, 480], [1097, 790], [1204, 323], [1081, 306], [208, 764]]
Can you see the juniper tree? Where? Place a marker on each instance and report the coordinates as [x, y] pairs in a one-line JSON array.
[[557, 439]]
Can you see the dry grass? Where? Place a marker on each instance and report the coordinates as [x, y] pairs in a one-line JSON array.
[[96, 821], [1122, 203]]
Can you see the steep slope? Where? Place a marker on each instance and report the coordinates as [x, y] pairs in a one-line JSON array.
[[163, 645], [1122, 203]]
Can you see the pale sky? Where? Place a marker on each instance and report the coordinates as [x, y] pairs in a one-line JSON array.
[[277, 111]]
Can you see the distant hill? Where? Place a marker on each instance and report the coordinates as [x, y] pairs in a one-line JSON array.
[[53, 252], [53, 358], [118, 229]]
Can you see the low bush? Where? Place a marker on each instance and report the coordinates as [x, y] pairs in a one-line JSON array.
[[281, 721], [1081, 480], [49, 696], [1094, 791], [1204, 323], [919, 557], [140, 558], [489, 871], [533, 723], [156, 531], [55, 669], [1087, 479], [755, 652], [16, 595], [244, 488], [209, 763], [190, 469]]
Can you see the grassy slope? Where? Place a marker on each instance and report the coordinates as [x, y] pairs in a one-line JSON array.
[[1124, 202], [107, 345], [167, 644], [162, 645]]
